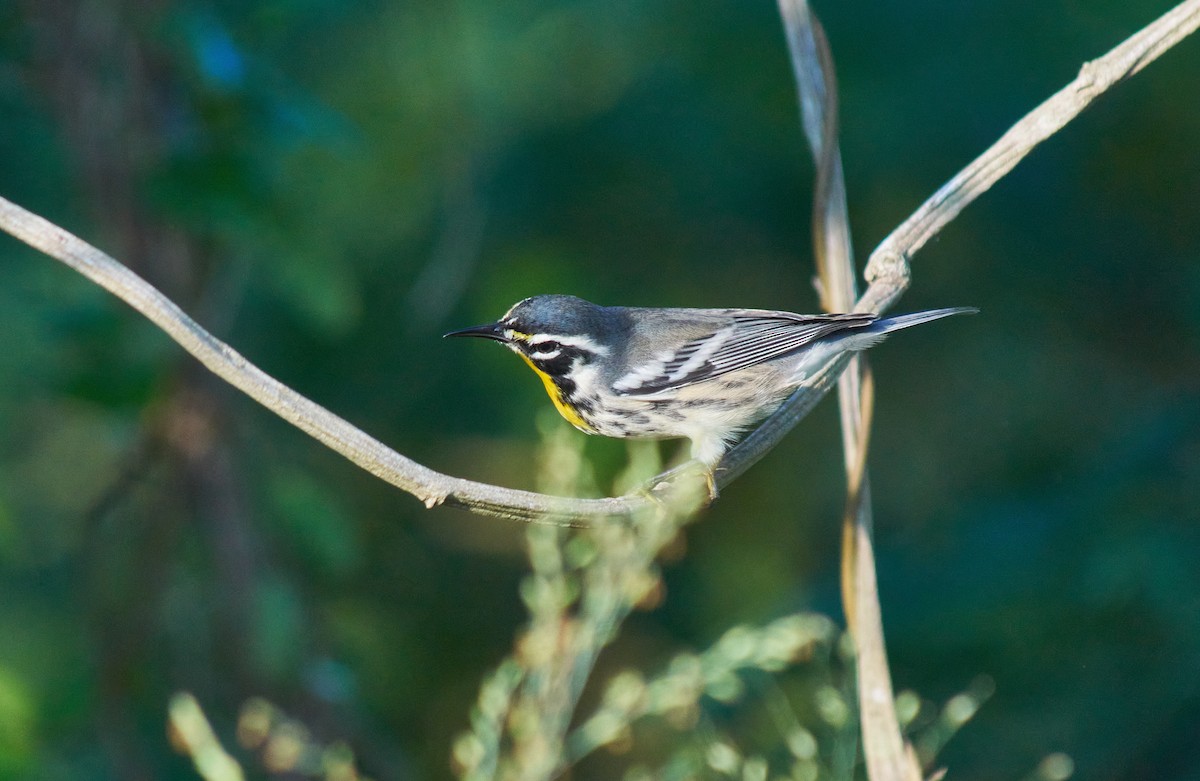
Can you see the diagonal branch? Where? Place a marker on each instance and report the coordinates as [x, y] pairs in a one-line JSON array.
[[888, 271], [888, 267]]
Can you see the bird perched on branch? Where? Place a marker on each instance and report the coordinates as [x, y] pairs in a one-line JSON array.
[[703, 374]]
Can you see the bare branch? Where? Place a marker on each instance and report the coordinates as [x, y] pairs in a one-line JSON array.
[[888, 273], [886, 753], [888, 270], [431, 487], [888, 267]]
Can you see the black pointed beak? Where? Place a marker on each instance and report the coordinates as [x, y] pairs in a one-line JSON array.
[[493, 331]]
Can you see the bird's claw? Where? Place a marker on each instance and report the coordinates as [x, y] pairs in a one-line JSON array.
[[654, 489]]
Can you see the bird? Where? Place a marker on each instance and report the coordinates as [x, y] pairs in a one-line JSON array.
[[705, 375]]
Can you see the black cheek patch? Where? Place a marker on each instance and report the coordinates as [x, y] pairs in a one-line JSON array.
[[567, 387], [556, 366], [560, 364]]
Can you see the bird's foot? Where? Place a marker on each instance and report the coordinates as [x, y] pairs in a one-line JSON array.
[[686, 474], [710, 481]]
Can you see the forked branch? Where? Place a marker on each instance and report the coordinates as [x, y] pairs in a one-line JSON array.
[[888, 756]]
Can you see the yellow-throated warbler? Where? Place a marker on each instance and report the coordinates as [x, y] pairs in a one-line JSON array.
[[703, 374]]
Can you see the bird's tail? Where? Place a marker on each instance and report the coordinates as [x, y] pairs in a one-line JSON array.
[[855, 339], [862, 339], [889, 324]]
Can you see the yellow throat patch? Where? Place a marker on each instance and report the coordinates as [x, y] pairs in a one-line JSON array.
[[560, 404]]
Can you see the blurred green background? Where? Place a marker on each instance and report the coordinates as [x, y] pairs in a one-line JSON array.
[[329, 186]]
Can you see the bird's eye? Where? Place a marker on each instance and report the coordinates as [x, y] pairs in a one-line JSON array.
[[547, 346]]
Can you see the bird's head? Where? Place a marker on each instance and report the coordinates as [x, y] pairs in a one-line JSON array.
[[554, 333]]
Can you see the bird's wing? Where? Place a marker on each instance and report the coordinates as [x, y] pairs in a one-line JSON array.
[[747, 338]]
